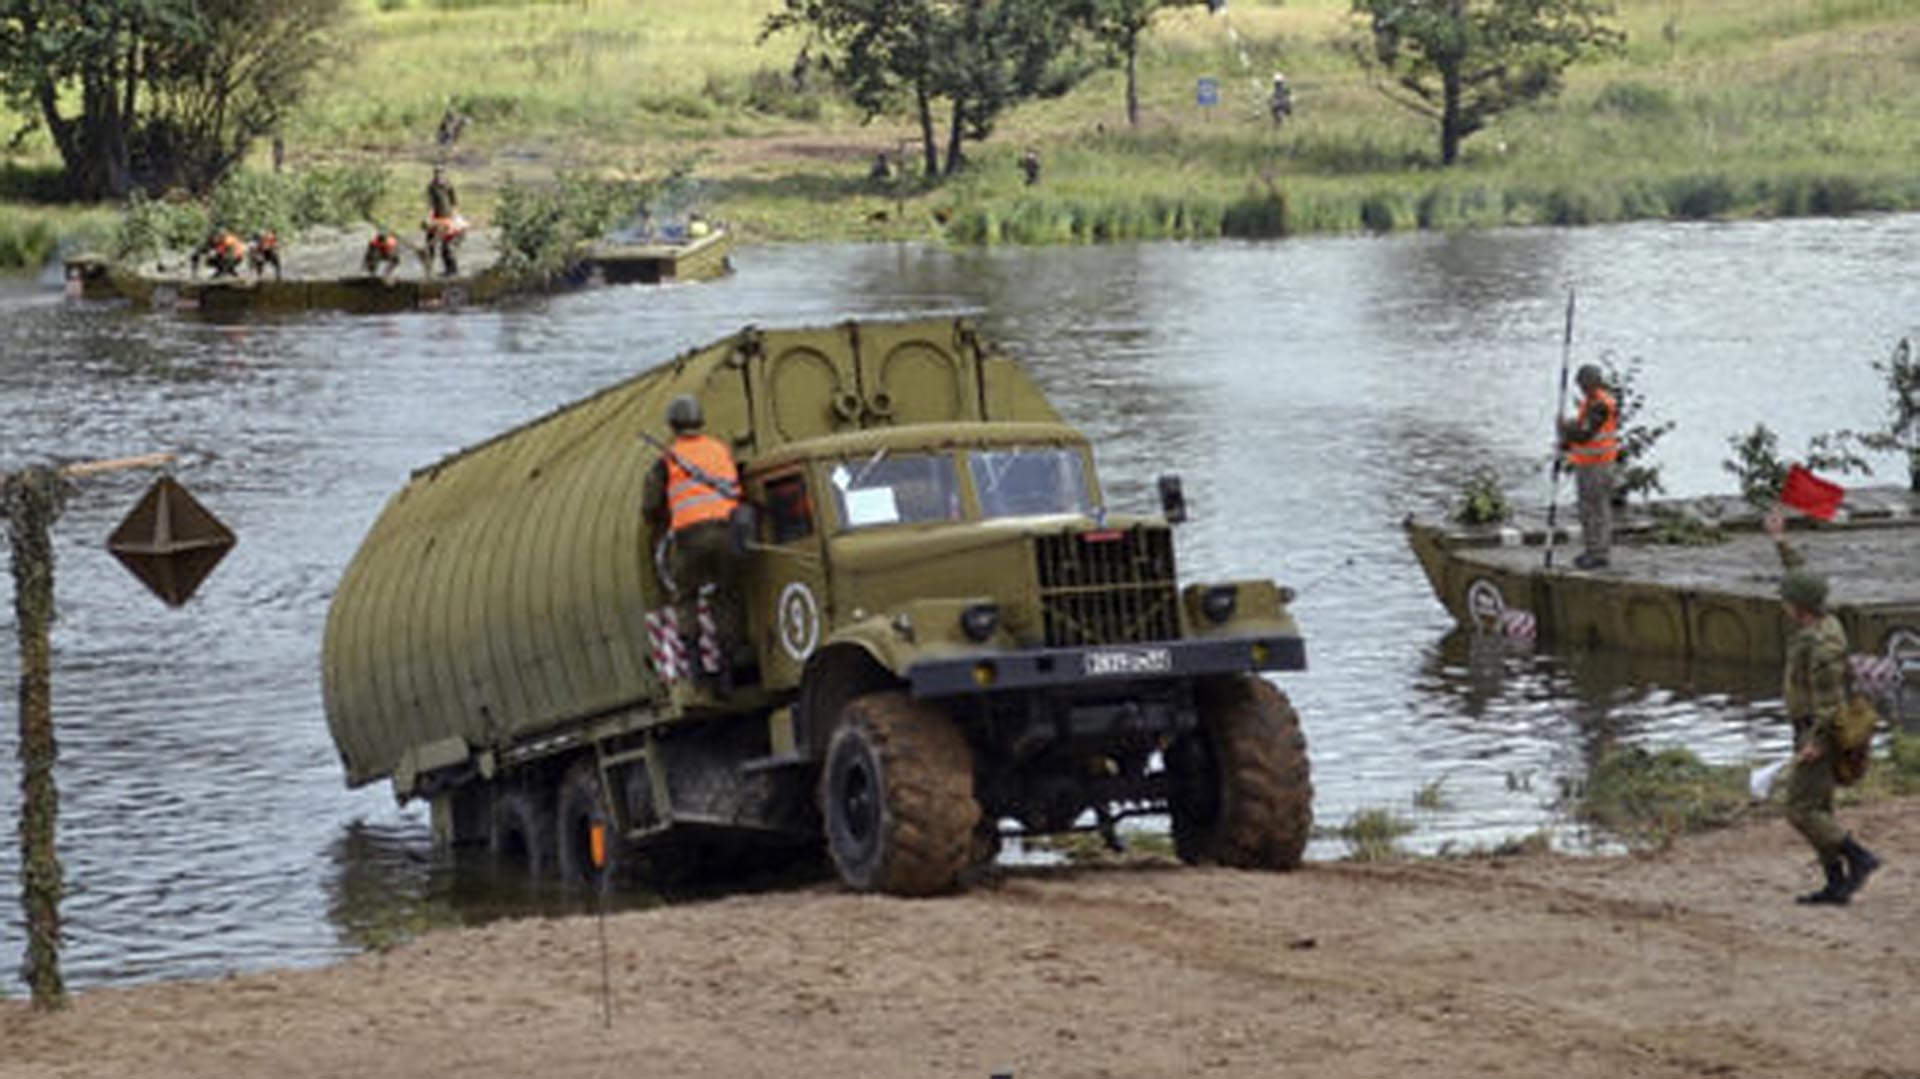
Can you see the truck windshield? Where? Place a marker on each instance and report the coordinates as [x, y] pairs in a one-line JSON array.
[[1021, 482], [896, 489]]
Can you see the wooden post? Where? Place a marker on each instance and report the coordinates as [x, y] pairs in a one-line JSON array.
[[31, 500]]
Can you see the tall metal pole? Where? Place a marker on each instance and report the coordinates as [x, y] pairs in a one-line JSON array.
[[1559, 410], [31, 500]]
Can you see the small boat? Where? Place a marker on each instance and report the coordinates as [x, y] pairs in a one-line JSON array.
[[1717, 602], [677, 256]]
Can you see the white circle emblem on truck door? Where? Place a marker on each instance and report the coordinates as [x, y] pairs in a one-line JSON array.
[[799, 616]]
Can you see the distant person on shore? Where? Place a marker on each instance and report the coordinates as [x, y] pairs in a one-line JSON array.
[[265, 252], [223, 250], [1591, 440], [882, 170], [1280, 102], [1815, 690], [383, 254], [442, 199], [1030, 166], [451, 124]]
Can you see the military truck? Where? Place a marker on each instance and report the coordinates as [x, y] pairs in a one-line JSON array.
[[949, 637]]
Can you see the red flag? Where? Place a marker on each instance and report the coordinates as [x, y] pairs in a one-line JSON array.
[[1810, 494]]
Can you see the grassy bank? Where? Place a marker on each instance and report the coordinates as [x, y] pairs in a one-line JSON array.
[[1715, 109]]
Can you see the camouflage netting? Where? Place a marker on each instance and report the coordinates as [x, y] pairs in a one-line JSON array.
[[31, 501]]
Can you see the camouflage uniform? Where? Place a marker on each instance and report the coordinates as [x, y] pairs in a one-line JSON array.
[[1594, 486], [1814, 686]]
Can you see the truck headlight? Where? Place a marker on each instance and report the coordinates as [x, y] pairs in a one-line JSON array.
[[979, 621], [1217, 602]]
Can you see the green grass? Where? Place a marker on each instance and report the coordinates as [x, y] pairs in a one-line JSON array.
[[1717, 108], [1372, 835], [1654, 797]]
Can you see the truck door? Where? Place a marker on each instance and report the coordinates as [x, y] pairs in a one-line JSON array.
[[787, 592]]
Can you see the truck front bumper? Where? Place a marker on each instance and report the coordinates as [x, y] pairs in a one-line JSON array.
[[1106, 667]]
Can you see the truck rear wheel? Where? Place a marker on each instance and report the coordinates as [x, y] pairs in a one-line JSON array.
[[583, 804], [1242, 789], [522, 830], [896, 796]]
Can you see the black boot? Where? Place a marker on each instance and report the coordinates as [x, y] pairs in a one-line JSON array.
[[1836, 892], [1860, 864]]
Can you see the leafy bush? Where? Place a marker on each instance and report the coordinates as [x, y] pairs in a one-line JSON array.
[[542, 228], [1757, 465], [1902, 432], [1634, 471], [1482, 502], [151, 226], [25, 242]]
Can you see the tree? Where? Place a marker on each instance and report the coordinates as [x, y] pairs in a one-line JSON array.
[[1463, 62], [980, 57], [1118, 25], [153, 94]]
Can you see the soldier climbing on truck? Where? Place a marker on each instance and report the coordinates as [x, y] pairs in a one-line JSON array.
[[946, 635], [691, 497]]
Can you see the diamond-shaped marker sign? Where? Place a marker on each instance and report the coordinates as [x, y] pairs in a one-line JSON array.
[[170, 541]]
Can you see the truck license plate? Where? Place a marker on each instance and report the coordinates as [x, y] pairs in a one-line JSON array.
[[1129, 661]]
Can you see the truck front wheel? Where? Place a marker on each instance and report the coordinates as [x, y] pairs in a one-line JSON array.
[[896, 796], [1242, 791]]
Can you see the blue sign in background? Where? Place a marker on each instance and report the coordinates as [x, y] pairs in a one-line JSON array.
[[1208, 91]]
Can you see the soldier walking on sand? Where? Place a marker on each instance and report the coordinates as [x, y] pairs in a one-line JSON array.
[[1591, 440], [1815, 688]]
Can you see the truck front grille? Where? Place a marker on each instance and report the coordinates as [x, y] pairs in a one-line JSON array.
[[1107, 587]]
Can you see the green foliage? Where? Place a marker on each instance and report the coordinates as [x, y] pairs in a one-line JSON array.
[[151, 226], [1757, 465], [1902, 431], [1463, 62], [967, 63], [1482, 502], [1647, 796], [1372, 835], [26, 241], [168, 92], [288, 203], [1634, 472], [542, 228]]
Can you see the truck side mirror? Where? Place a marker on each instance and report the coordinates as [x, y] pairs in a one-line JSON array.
[[1173, 501]]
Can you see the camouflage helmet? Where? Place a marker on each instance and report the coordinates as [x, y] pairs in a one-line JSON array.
[[684, 413], [1804, 589], [1590, 376]]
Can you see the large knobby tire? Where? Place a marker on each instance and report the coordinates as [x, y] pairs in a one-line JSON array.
[[1242, 789], [581, 806], [896, 797], [521, 831]]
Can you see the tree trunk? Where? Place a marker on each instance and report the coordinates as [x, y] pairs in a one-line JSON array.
[[1450, 118], [1133, 82], [956, 157], [931, 147], [31, 501]]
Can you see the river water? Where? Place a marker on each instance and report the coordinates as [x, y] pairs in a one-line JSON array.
[[1311, 392]]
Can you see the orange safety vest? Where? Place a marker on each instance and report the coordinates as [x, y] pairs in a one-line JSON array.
[[267, 241], [231, 246], [691, 500], [1604, 447], [385, 244]]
